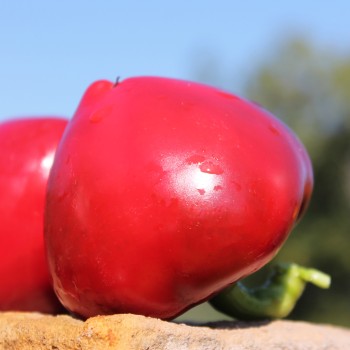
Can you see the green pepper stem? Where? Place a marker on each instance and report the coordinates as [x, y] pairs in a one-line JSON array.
[[276, 298]]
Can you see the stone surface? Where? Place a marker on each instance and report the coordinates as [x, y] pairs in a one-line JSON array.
[[131, 332]]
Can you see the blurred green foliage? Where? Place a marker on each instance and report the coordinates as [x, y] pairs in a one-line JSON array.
[[309, 88]]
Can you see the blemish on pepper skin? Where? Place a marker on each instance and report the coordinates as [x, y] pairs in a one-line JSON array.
[[274, 130], [195, 159], [211, 168], [97, 116], [237, 186], [201, 191], [217, 188]]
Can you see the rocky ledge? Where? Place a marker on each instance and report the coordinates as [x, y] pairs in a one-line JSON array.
[[131, 332]]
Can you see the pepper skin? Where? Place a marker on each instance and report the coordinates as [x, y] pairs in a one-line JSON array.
[[27, 147], [164, 192]]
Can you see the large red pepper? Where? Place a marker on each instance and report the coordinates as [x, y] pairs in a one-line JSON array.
[[164, 192]]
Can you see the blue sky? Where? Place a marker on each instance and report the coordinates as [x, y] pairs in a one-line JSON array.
[[52, 50]]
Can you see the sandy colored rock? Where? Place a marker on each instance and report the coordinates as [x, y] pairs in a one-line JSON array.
[[131, 332]]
